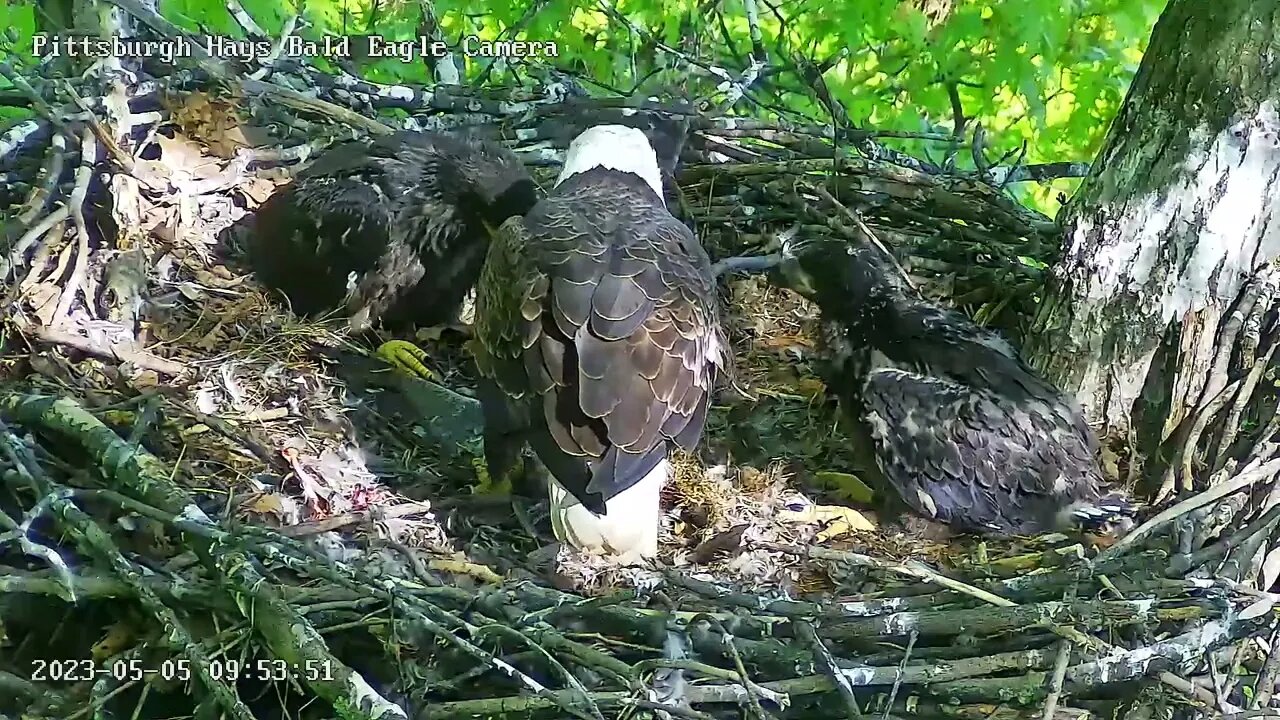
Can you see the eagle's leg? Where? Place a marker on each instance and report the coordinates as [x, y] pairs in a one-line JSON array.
[[503, 466], [405, 356]]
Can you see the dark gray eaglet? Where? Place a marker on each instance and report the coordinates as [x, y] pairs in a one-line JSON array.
[[598, 331], [390, 229], [962, 429]]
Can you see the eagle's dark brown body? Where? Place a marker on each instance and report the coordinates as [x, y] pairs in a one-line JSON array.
[[598, 331], [959, 426], [389, 230]]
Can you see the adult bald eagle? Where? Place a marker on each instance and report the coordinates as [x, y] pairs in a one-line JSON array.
[[389, 230], [962, 429], [598, 333]]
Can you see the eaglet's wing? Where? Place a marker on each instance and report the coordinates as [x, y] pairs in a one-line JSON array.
[[311, 234], [956, 454], [600, 311], [955, 347]]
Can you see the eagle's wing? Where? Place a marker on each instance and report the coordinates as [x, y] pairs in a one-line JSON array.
[[600, 311], [391, 227], [312, 234], [963, 457], [953, 346]]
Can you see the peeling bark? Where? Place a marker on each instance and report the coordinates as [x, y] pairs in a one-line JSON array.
[[1165, 290]]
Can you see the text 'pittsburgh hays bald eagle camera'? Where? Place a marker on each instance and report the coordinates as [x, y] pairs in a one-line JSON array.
[[599, 339], [959, 426]]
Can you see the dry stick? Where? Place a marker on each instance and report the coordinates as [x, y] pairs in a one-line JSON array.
[[1059, 676], [277, 48], [1231, 427], [300, 101], [1264, 523], [43, 192], [1180, 473], [97, 542], [912, 569], [555, 664], [902, 666], [216, 67], [920, 570], [826, 662], [753, 702], [88, 157], [37, 100], [108, 351], [258, 600], [29, 238], [1239, 482], [245, 20]]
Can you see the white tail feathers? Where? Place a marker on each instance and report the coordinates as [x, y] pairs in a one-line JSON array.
[[629, 529]]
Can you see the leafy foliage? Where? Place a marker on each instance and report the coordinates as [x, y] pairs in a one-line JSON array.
[[1045, 72]]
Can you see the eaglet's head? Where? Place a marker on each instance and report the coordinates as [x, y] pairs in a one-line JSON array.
[[832, 272], [485, 170], [613, 147]]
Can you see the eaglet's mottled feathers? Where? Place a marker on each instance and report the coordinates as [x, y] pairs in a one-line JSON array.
[[962, 429], [598, 316], [389, 229]]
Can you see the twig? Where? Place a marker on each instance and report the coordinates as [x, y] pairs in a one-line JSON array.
[[245, 20], [753, 702], [1239, 482], [43, 192], [1056, 680], [88, 158], [902, 666], [862, 226], [911, 568], [116, 352], [827, 664], [299, 101], [15, 258], [554, 663]]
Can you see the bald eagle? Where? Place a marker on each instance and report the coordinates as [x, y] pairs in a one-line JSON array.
[[959, 426], [598, 335], [389, 230]]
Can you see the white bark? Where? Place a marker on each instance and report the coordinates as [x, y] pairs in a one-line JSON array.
[[1171, 245]]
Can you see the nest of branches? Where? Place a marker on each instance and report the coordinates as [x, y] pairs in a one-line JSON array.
[[209, 508]]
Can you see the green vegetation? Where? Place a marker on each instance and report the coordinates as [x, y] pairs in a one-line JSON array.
[[1046, 72]]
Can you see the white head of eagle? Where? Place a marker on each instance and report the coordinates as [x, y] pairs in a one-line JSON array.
[[613, 147]]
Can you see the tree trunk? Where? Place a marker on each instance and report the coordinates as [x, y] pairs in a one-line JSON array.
[[1160, 316]]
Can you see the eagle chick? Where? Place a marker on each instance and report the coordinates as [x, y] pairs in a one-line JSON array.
[[962, 429], [598, 332], [392, 230]]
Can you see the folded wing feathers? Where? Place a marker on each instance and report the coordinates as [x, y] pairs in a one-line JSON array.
[[979, 461], [641, 320]]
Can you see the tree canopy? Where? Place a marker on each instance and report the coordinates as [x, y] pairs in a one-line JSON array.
[[1047, 73]]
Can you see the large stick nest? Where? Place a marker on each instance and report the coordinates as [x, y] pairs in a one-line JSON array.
[[197, 485]]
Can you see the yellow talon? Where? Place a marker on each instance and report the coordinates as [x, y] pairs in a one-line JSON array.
[[405, 356], [485, 484]]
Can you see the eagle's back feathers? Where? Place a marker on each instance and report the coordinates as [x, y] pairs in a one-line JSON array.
[[600, 311]]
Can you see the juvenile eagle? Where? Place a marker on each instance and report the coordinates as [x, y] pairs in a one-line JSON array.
[[598, 333], [390, 230], [962, 429]]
